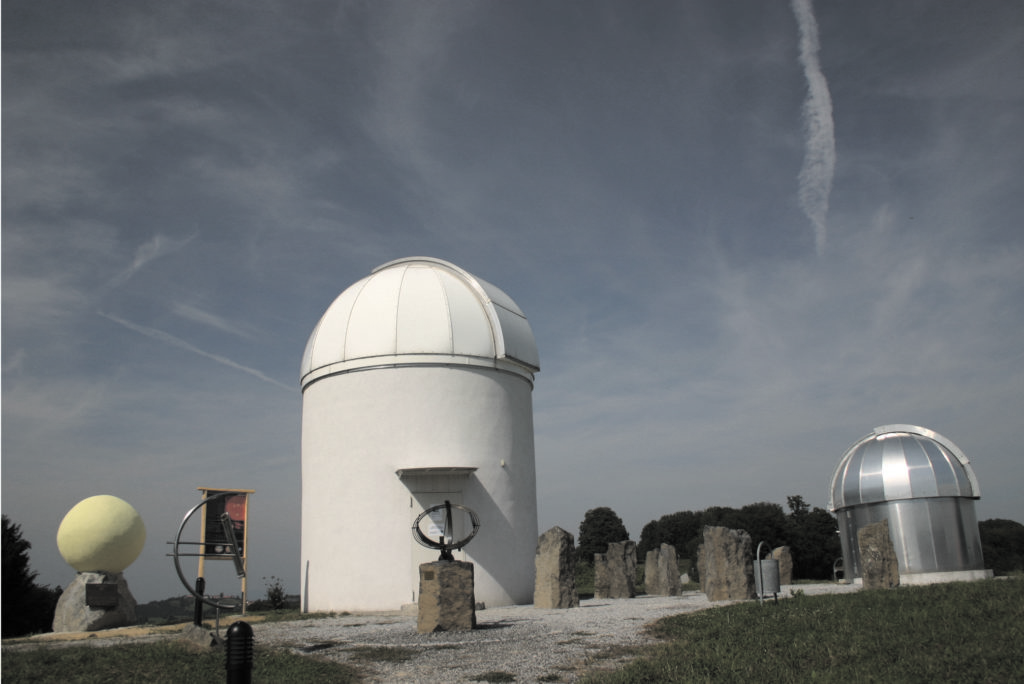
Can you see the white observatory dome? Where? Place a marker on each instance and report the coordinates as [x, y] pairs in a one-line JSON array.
[[420, 310], [416, 390]]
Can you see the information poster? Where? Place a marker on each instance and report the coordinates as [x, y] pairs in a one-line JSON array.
[[215, 540]]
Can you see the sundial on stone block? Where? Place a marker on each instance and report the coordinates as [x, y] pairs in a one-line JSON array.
[[440, 533]]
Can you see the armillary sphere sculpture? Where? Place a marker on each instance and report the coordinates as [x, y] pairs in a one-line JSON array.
[[446, 543], [233, 546]]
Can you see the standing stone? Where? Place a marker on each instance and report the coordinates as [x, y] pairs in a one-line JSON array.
[[601, 581], [785, 558], [652, 573], [724, 562], [621, 558], [669, 563], [109, 609], [555, 586], [661, 572], [447, 602], [879, 567]]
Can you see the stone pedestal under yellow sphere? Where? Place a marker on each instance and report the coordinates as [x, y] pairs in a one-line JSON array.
[[101, 534]]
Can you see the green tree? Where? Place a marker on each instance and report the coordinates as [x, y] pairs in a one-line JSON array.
[[764, 522], [600, 527], [651, 537], [27, 607], [811, 536], [677, 529], [721, 516], [1002, 544], [797, 505]]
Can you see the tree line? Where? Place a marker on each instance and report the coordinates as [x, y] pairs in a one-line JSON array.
[[810, 533]]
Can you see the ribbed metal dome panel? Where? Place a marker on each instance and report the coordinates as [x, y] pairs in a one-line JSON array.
[[420, 310], [897, 462]]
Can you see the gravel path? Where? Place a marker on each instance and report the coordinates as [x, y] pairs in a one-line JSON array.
[[529, 643]]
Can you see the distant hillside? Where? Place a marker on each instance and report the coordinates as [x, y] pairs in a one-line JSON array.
[[167, 611], [180, 609]]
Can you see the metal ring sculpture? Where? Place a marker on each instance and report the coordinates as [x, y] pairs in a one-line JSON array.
[[446, 544], [229, 532]]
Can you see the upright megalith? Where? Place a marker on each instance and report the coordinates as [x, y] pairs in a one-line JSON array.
[[879, 567], [602, 583], [555, 564], [619, 568], [668, 568], [724, 562], [652, 573], [784, 555], [661, 572]]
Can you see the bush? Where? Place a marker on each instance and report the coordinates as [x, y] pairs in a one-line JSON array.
[[277, 598], [1002, 545]]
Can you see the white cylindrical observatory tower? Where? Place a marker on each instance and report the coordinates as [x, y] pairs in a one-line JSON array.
[[417, 388]]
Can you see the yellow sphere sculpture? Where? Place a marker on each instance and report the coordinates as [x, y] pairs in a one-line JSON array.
[[101, 534]]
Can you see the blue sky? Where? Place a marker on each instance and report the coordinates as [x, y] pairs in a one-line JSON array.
[[744, 233]]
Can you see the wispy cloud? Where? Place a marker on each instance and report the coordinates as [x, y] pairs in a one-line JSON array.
[[167, 338], [154, 248], [820, 153]]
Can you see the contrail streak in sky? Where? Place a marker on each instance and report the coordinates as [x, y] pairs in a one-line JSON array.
[[820, 153], [167, 338]]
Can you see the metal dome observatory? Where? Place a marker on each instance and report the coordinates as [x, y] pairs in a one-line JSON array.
[[417, 388], [923, 484]]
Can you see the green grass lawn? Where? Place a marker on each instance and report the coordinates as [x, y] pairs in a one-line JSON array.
[[961, 632], [166, 662]]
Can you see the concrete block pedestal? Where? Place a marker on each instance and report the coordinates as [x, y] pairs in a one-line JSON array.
[[447, 601]]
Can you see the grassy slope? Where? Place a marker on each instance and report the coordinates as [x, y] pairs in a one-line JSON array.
[[964, 632]]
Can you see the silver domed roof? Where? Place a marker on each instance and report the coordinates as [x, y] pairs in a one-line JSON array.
[[896, 462], [420, 310]]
